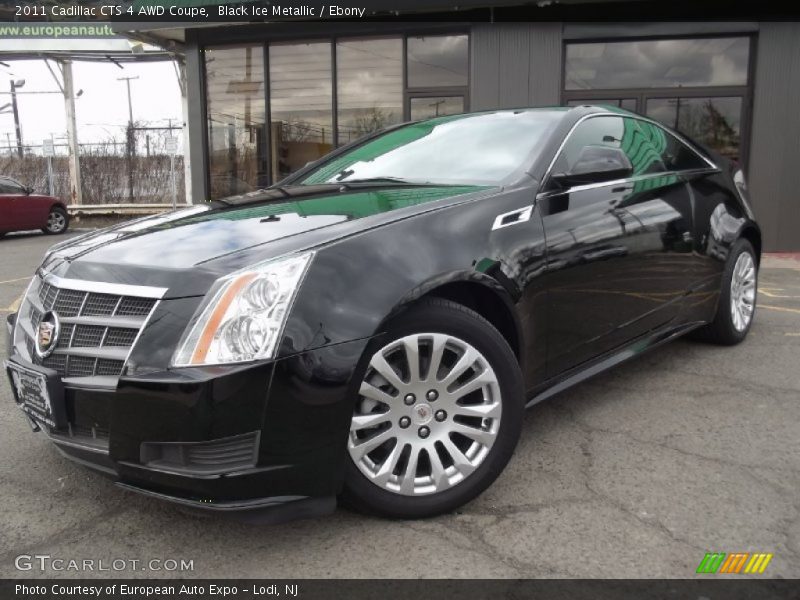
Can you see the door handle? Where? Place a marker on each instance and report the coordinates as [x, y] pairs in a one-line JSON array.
[[621, 188]]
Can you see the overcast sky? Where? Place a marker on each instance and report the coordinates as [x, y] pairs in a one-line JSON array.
[[102, 109]]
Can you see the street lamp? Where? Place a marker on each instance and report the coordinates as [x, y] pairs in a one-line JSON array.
[[15, 85]]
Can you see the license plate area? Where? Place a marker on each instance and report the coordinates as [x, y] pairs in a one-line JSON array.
[[38, 392]]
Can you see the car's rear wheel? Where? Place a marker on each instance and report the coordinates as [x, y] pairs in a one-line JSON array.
[[57, 221], [437, 415], [737, 300]]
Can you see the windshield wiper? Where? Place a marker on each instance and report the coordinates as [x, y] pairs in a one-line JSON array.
[[382, 180]]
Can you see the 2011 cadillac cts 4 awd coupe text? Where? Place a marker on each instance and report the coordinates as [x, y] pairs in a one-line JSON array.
[[373, 327]]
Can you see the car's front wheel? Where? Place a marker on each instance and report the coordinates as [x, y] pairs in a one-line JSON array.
[[437, 415], [57, 221]]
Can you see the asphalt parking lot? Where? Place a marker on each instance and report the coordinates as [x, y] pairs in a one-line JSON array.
[[636, 473]]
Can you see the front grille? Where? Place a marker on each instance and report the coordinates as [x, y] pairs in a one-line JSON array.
[[98, 329], [57, 362], [73, 303], [47, 294], [107, 366], [119, 336], [86, 336], [81, 366], [135, 307], [101, 304]]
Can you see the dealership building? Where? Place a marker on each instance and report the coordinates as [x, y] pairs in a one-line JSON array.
[[265, 99]]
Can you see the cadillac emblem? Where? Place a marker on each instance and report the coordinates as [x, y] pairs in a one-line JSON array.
[[47, 334]]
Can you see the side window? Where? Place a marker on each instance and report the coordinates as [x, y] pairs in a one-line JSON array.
[[596, 131], [9, 187], [679, 157], [642, 142]]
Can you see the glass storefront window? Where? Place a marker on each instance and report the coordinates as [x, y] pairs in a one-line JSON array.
[[301, 100], [657, 63], [715, 122], [438, 61], [425, 107], [369, 86], [245, 151], [236, 119]]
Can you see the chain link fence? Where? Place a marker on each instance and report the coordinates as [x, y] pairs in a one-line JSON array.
[[105, 169]]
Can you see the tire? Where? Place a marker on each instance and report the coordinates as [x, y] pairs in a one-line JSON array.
[[470, 466], [57, 221], [725, 329]]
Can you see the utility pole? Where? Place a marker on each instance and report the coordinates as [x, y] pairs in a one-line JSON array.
[[76, 192], [437, 105], [130, 137], [14, 86]]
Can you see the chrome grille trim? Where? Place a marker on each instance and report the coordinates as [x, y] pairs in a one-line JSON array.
[[101, 324], [99, 287]]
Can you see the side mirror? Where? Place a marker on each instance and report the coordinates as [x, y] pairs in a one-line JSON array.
[[596, 164], [28, 190]]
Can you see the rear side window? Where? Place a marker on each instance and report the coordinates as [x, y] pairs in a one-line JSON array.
[[649, 147], [596, 131], [642, 145], [679, 157]]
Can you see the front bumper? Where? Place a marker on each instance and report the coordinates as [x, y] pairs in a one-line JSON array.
[[294, 413]]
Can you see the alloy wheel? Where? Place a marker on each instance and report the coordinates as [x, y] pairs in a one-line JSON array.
[[427, 414], [56, 222], [743, 291]]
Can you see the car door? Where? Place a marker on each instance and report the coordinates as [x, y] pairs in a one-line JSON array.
[[36, 208], [10, 214], [616, 250]]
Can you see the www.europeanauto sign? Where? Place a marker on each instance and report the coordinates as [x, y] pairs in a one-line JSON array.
[[60, 37]]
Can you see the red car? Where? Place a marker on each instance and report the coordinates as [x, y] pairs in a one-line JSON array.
[[22, 210]]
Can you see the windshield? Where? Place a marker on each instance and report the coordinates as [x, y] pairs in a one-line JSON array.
[[481, 149]]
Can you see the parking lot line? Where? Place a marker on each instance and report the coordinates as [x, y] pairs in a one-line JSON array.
[[14, 280], [771, 293], [13, 306], [780, 308]]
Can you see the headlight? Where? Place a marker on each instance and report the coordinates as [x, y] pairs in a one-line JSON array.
[[243, 315]]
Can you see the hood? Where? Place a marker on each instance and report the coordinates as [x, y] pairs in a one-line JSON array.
[[186, 250]]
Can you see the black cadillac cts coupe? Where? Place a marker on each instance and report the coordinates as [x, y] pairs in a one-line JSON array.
[[372, 327]]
